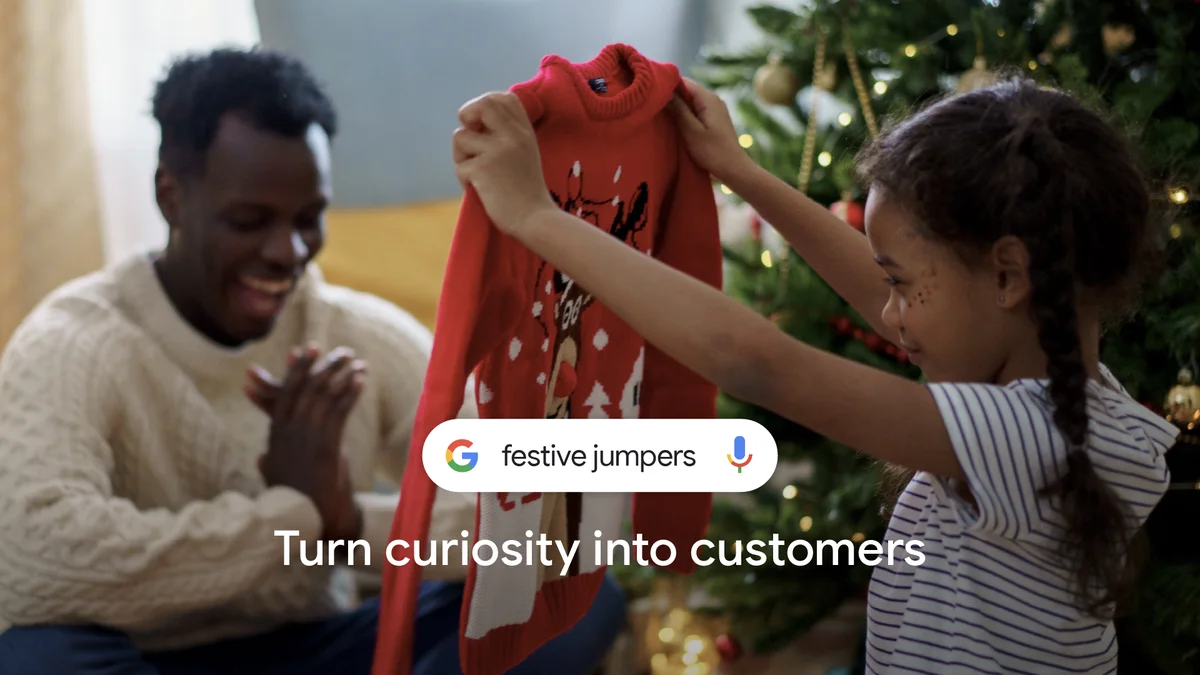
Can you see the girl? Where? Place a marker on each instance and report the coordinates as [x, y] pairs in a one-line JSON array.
[[998, 224]]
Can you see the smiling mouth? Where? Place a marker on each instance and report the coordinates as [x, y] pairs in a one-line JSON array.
[[267, 286], [262, 298]]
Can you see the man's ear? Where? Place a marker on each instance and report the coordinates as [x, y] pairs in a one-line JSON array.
[[1010, 269], [167, 193]]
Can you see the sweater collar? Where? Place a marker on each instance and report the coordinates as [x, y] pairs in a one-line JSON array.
[[637, 87], [203, 359]]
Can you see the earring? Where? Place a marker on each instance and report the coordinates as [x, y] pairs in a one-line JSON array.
[[1002, 299]]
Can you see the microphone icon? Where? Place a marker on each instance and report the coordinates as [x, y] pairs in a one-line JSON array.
[[739, 452]]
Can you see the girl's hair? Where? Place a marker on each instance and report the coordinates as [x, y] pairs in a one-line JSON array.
[[1016, 159]]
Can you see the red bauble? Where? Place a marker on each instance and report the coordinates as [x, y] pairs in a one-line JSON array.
[[729, 648], [890, 350], [873, 342], [851, 212], [902, 357], [858, 334], [843, 324], [756, 228]]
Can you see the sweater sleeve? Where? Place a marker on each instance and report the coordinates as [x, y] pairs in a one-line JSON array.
[[474, 310], [70, 549], [688, 241], [398, 349]]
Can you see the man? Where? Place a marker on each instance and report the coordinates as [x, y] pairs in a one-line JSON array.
[[161, 420]]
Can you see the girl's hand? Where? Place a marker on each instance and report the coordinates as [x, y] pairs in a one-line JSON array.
[[496, 152], [708, 131]]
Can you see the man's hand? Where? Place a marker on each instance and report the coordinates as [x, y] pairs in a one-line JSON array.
[[308, 415]]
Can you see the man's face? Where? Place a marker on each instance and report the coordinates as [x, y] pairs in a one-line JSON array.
[[245, 228]]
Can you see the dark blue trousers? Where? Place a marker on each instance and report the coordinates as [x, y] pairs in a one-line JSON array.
[[342, 645]]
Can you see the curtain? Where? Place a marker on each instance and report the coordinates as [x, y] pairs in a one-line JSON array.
[[129, 44], [49, 213]]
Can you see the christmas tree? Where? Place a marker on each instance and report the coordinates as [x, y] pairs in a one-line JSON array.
[[824, 80]]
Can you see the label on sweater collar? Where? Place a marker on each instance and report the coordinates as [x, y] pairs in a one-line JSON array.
[[599, 455], [599, 85]]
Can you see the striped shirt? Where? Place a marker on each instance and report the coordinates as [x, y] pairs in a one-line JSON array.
[[990, 596]]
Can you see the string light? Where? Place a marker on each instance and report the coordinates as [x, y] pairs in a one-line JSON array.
[[824, 159], [881, 88], [1176, 232], [858, 536], [806, 523], [910, 51], [1000, 33], [766, 258], [845, 119], [1032, 65], [746, 140], [685, 645], [789, 492], [952, 30], [725, 189], [1180, 195], [678, 617]]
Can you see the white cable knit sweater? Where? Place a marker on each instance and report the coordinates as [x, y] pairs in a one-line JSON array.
[[129, 493]]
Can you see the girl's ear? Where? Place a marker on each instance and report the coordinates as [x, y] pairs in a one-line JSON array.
[[1010, 267]]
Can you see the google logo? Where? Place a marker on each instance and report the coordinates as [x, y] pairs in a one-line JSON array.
[[471, 458]]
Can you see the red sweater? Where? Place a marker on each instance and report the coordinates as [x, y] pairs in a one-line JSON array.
[[540, 346]]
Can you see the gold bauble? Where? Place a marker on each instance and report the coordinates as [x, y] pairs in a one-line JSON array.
[[1183, 401], [1117, 37], [776, 83], [977, 77], [827, 78]]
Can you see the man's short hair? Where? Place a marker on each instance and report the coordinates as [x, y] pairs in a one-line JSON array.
[[274, 92]]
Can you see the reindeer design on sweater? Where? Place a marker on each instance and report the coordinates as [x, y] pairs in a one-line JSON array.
[[561, 513], [622, 220]]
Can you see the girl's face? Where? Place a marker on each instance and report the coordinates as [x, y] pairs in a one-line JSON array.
[[951, 319]]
